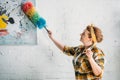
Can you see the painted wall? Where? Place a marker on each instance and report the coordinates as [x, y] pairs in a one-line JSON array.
[[67, 19]]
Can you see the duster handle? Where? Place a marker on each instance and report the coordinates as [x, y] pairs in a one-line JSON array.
[[46, 29]]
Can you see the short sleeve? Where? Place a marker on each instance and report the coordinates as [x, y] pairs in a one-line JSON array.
[[70, 51], [99, 58]]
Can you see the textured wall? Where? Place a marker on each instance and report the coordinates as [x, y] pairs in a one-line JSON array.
[[67, 19]]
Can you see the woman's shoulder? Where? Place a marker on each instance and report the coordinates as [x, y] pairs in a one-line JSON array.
[[97, 50], [80, 46]]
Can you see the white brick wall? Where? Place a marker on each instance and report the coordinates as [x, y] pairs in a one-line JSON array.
[[67, 19]]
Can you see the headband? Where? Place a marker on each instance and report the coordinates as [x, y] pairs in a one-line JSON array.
[[93, 34]]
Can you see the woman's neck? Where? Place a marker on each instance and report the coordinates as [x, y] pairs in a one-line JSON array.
[[87, 45]]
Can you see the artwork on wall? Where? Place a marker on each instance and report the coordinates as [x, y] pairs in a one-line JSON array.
[[15, 27]]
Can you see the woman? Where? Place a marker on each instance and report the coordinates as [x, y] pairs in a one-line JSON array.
[[88, 59]]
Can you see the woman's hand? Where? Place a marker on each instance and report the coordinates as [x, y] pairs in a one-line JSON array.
[[50, 34], [89, 53]]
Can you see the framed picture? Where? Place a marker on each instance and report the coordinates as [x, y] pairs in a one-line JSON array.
[[15, 27]]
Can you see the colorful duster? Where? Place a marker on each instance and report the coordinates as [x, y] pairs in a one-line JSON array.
[[33, 15]]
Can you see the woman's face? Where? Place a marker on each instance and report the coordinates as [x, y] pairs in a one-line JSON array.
[[85, 36]]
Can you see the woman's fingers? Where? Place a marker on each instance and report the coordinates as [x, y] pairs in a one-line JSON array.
[[49, 32]]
